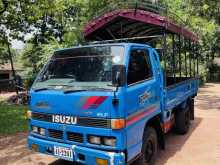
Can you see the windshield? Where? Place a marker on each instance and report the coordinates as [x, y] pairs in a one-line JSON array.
[[81, 67]]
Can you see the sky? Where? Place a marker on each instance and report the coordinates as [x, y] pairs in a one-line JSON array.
[[17, 44]]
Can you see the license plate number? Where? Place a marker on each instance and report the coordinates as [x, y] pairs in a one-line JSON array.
[[63, 152]]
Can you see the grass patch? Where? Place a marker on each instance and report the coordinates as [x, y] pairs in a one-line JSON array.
[[12, 119], [2, 100]]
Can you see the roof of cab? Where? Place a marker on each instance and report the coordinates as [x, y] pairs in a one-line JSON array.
[[105, 44]]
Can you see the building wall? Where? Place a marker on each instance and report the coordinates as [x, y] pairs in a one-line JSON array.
[[6, 83]]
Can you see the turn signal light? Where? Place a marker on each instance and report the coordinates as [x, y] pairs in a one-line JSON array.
[[117, 123], [28, 114], [34, 147], [100, 161]]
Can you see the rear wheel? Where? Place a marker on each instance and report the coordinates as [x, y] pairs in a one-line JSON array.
[[192, 116], [149, 148], [182, 120]]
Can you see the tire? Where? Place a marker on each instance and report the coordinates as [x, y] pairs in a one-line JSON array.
[[192, 111], [182, 120], [149, 148]]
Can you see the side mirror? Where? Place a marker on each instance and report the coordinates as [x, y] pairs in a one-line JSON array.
[[118, 75]]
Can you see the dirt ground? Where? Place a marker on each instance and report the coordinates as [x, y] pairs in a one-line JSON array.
[[7, 94], [201, 146]]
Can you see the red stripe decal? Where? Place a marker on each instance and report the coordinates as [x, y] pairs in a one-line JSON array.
[[100, 100], [94, 102], [140, 115]]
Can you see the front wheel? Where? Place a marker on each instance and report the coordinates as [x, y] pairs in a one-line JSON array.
[[149, 148]]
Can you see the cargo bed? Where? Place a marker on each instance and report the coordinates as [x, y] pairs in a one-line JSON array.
[[176, 93]]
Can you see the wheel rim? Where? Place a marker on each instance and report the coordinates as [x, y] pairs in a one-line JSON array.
[[149, 151]]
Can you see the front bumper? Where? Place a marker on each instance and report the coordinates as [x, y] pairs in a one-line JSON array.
[[90, 155]]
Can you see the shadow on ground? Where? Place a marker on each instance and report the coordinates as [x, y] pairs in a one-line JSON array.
[[174, 143], [63, 162]]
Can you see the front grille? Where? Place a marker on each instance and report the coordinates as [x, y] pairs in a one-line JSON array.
[[42, 117], [89, 122], [76, 137], [81, 121], [55, 134]]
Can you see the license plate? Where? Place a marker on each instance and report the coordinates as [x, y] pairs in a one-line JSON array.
[[63, 152]]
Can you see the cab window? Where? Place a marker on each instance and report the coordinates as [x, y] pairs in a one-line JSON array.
[[139, 68]]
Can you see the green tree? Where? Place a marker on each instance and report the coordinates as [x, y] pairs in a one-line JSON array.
[[59, 23], [35, 56]]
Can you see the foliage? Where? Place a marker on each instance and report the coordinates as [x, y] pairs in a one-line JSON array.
[[62, 28], [3, 54], [12, 119], [35, 56], [2, 100], [193, 15], [55, 24]]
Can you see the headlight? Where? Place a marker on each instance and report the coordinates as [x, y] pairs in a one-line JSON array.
[[94, 140], [42, 131], [39, 130], [35, 129], [109, 141]]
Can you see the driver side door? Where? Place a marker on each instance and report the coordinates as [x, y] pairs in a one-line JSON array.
[[141, 96]]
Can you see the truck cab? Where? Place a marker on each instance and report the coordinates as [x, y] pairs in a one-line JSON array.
[[89, 103]]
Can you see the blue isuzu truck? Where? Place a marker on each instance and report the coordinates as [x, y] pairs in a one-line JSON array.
[[113, 101]]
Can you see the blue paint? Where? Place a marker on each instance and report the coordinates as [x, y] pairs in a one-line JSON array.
[[129, 139]]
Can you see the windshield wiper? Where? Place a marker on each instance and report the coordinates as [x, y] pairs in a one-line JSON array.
[[59, 85], [98, 89], [87, 89], [40, 89], [53, 87], [72, 91]]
